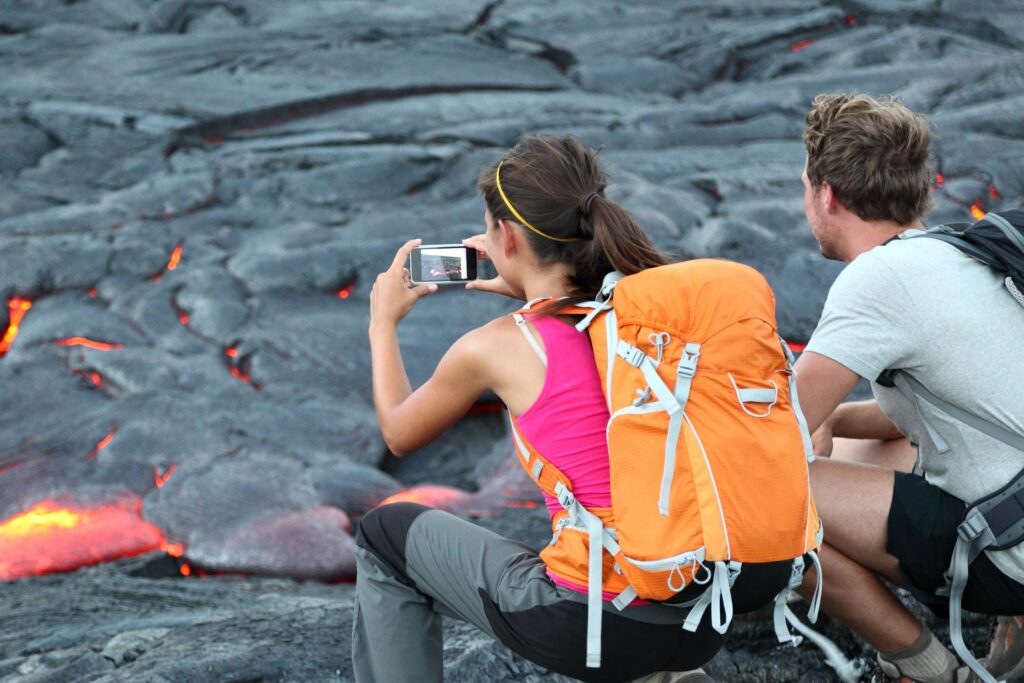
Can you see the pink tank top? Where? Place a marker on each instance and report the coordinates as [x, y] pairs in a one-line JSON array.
[[567, 421]]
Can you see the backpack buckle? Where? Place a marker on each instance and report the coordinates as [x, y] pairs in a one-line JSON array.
[[631, 354], [688, 363]]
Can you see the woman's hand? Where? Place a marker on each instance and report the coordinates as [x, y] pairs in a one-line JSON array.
[[393, 294], [495, 285]]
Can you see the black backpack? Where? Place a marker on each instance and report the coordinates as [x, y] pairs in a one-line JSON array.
[[995, 522]]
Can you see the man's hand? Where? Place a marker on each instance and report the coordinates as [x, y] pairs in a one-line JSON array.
[[393, 294], [821, 439]]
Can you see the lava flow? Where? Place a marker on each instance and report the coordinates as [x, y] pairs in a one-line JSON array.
[[53, 536], [17, 308], [88, 343], [172, 263], [801, 44], [104, 442], [160, 479], [431, 495], [977, 212]]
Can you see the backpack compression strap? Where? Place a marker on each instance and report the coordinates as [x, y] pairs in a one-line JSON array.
[[995, 522]]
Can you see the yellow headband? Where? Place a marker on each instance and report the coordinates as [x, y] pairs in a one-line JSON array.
[[497, 180]]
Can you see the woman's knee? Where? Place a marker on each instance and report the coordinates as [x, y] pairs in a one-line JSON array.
[[383, 531]]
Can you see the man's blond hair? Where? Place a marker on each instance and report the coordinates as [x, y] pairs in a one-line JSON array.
[[873, 153]]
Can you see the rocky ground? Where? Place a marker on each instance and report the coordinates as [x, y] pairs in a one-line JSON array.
[[195, 196]]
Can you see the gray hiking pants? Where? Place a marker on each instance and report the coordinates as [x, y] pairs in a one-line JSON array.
[[416, 564]]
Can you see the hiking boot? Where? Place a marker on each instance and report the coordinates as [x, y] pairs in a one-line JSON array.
[[1005, 660], [694, 676]]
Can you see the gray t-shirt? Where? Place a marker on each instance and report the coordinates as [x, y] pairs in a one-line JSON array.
[[923, 306]]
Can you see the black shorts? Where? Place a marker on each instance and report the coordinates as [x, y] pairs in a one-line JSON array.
[[922, 532]]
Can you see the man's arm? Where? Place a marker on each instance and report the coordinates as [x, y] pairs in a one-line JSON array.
[[821, 384], [862, 420]]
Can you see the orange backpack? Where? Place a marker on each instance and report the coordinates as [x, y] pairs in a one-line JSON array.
[[708, 447]]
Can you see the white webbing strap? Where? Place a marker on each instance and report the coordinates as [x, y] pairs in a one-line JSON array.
[[645, 364], [624, 599], [815, 607], [582, 325], [594, 607], [846, 671], [595, 566], [524, 453], [796, 577], [538, 465], [805, 433], [974, 535], [718, 597], [675, 426], [521, 324]]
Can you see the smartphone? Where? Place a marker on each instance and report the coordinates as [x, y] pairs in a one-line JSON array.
[[442, 264]]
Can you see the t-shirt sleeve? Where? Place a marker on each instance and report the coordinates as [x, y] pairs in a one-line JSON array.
[[868, 323]]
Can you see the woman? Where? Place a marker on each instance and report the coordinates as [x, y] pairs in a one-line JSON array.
[[551, 234]]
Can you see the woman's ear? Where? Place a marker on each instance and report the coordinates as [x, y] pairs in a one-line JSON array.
[[509, 237]]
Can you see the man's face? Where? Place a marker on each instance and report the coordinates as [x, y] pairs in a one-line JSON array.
[[823, 230]]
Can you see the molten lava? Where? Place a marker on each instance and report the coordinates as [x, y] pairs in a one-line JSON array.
[[161, 479], [939, 179], [88, 343], [17, 308], [345, 291], [172, 263], [93, 293], [801, 44], [104, 442], [232, 353], [977, 212], [432, 495], [57, 537], [993, 192]]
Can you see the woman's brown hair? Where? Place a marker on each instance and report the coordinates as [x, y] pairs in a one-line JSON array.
[[556, 184]]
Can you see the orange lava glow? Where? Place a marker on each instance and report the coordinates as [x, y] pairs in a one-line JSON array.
[[101, 445], [183, 317], [345, 291], [161, 479], [88, 343], [232, 353], [977, 212], [93, 293], [801, 44], [993, 192], [58, 537], [175, 258], [172, 263], [432, 495], [17, 308], [96, 378], [939, 179], [173, 549], [185, 569]]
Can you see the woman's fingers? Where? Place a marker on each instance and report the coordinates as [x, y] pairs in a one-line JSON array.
[[402, 255], [478, 242]]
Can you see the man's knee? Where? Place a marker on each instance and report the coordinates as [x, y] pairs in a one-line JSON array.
[[383, 531]]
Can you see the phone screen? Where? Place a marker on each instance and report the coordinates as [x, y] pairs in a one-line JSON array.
[[442, 263]]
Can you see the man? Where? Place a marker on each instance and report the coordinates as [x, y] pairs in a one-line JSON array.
[[922, 306]]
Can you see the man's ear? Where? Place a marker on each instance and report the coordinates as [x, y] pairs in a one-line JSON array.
[[828, 198], [509, 237]]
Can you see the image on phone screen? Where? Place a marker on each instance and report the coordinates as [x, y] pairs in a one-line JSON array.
[[442, 263]]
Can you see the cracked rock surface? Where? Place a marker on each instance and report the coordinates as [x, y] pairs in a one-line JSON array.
[[195, 197]]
